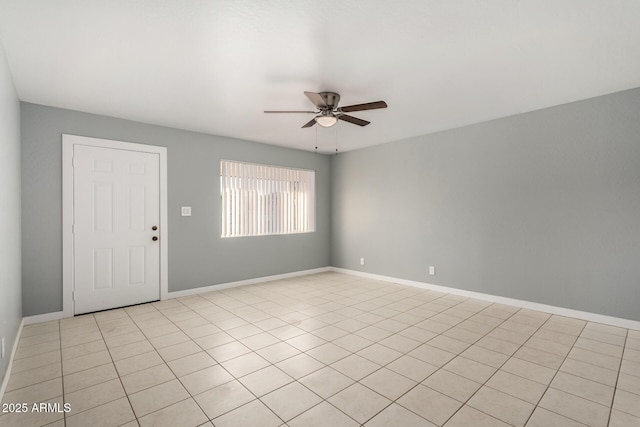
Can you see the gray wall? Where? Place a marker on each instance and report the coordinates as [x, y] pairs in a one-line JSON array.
[[197, 255], [10, 293], [542, 206]]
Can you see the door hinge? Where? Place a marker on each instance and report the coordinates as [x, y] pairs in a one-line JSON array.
[[73, 229], [73, 295], [74, 162]]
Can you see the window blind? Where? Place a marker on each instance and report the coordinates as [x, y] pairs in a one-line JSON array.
[[260, 200]]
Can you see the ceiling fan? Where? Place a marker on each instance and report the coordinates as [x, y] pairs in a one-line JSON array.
[[329, 113]]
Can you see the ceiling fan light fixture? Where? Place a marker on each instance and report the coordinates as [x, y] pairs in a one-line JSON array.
[[326, 121]]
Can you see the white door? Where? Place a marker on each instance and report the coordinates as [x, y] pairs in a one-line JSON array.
[[116, 210]]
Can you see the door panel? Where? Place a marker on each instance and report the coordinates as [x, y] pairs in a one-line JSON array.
[[116, 204]]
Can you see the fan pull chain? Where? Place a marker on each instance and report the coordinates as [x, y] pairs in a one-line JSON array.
[[316, 139], [336, 139]]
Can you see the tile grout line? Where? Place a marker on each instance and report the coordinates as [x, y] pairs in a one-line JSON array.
[[191, 396], [354, 381], [440, 334], [418, 383], [496, 369], [588, 379], [615, 387], [116, 369], [165, 362], [555, 374], [172, 371], [117, 372]]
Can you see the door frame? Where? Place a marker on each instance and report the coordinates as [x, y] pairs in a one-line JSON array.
[[68, 143]]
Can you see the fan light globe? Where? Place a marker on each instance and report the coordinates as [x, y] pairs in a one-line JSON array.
[[326, 121]]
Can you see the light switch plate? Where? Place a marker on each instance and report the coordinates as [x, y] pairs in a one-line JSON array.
[[186, 210]]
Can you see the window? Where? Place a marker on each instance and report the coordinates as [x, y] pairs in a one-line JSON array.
[[259, 200]]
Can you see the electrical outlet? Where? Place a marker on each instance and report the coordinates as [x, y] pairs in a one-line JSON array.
[[361, 261], [185, 211], [432, 270], [2, 350]]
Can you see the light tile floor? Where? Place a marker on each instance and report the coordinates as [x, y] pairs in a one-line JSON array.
[[326, 349]]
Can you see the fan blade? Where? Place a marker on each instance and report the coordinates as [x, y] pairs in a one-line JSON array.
[[354, 120], [367, 106], [305, 112], [310, 123], [316, 99]]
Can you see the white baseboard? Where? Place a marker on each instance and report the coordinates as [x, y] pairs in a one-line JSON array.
[[202, 290], [30, 320], [561, 311], [39, 318], [5, 381]]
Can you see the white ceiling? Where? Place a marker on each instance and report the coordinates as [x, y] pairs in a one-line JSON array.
[[213, 66]]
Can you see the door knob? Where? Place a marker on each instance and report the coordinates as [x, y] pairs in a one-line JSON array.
[[154, 238], [154, 228]]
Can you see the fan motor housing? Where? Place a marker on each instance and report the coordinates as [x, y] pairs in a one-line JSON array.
[[331, 98]]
